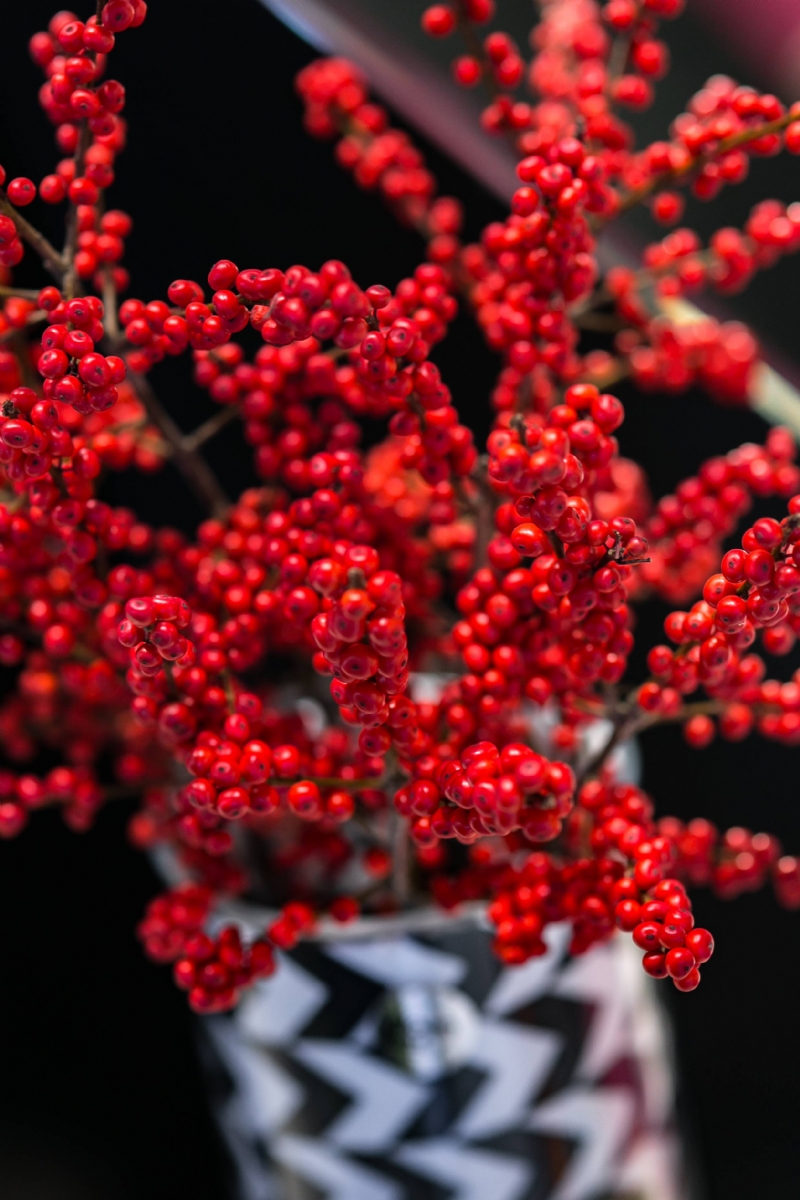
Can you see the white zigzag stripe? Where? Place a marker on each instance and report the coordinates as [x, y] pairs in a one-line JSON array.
[[595, 979], [400, 961], [265, 1097], [602, 1118], [518, 986], [477, 1174], [386, 1100], [338, 1178], [518, 1060], [276, 1009]]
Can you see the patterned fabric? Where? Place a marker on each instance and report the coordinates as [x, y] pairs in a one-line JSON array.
[[420, 1068]]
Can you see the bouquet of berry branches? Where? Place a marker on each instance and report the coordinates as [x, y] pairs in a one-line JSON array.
[[265, 685]]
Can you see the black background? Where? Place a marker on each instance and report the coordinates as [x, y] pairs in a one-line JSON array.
[[100, 1092]]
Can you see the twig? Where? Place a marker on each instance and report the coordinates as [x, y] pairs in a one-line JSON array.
[[19, 293], [34, 318], [198, 437], [624, 728], [618, 58], [484, 514], [191, 465], [54, 261], [750, 134], [71, 240], [401, 863], [598, 322], [110, 320]]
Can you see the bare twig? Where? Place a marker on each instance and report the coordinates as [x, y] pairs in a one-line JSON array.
[[19, 293], [54, 261], [71, 240], [618, 58], [198, 437], [110, 321], [33, 318], [624, 728], [192, 466], [401, 862]]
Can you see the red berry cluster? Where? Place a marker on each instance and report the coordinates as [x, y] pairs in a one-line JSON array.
[[487, 791], [74, 372], [686, 531], [755, 591], [90, 132], [614, 824], [270, 668], [336, 101], [387, 339], [213, 970]]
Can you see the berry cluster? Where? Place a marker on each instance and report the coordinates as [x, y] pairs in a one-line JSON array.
[[486, 791], [378, 677], [212, 970]]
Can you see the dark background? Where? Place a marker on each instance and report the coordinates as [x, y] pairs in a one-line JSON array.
[[100, 1092]]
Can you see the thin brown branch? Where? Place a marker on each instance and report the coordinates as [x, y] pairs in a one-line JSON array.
[[618, 58], [192, 466], [401, 862], [624, 727], [54, 261], [741, 138], [19, 293], [598, 322], [210, 428], [71, 240], [110, 320], [34, 318]]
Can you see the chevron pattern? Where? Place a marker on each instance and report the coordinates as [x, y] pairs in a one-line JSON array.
[[419, 1068]]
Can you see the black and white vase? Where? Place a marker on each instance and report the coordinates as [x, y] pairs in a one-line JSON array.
[[391, 1061]]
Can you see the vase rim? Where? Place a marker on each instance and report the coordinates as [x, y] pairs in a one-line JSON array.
[[424, 919]]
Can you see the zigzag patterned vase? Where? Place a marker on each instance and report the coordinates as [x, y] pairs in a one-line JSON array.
[[413, 1066]]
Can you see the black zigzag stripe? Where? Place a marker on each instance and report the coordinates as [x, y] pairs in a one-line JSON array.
[[350, 995]]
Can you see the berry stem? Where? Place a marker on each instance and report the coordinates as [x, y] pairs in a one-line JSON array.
[[71, 239], [110, 318], [636, 195], [19, 293], [401, 862], [51, 258], [33, 318], [210, 428], [192, 466]]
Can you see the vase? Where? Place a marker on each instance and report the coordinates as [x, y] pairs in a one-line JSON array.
[[398, 1059]]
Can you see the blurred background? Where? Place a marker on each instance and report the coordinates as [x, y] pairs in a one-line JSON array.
[[101, 1094]]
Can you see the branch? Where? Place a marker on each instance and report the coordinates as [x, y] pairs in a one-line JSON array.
[[401, 864], [624, 727], [472, 44], [618, 58], [19, 293], [751, 134], [33, 318], [110, 305], [192, 466], [54, 261], [198, 437], [71, 241]]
